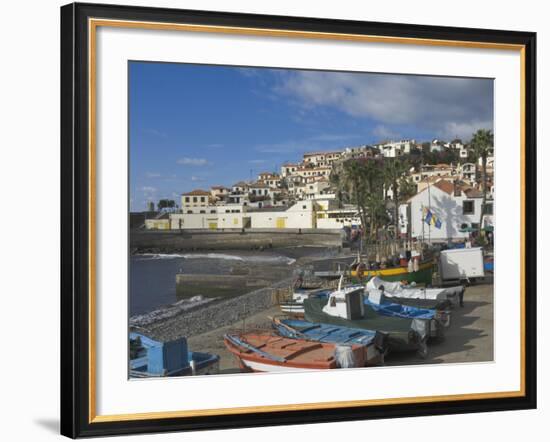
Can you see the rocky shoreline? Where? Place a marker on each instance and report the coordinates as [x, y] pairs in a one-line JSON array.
[[214, 315]]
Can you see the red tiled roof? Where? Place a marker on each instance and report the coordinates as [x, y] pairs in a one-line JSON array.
[[473, 193], [258, 184], [445, 186], [197, 192]]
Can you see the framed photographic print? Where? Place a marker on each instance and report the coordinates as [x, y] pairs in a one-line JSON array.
[[274, 220]]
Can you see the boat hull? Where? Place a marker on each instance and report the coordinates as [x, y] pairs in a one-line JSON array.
[[401, 335], [268, 352], [295, 309], [422, 276], [248, 365], [373, 342]]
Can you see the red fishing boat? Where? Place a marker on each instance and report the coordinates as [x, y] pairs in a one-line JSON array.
[[267, 352]]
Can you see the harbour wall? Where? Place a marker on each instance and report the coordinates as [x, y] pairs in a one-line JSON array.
[[215, 315], [159, 241]]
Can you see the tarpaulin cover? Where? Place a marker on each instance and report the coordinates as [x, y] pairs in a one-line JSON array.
[[387, 308]]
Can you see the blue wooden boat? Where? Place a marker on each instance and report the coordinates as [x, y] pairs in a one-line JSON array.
[[346, 307], [436, 319], [151, 358], [373, 341], [401, 311]]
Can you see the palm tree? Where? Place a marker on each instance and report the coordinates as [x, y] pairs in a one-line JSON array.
[[482, 144], [359, 181], [394, 175]]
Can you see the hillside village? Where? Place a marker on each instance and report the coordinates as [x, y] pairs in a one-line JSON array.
[[447, 183]]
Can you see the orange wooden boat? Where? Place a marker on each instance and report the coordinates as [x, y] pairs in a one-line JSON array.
[[267, 352]]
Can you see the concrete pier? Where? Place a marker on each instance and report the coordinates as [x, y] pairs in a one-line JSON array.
[[216, 285], [159, 241]]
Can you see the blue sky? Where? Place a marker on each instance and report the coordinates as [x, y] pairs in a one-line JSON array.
[[193, 126]]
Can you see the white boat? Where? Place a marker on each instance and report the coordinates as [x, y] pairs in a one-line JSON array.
[[403, 292], [295, 306]]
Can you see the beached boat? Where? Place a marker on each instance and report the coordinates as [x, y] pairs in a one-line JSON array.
[[374, 342], [268, 352], [295, 306], [423, 275], [435, 298], [438, 319], [346, 307], [152, 358]]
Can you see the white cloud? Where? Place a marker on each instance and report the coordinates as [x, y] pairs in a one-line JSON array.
[[192, 161], [257, 161], [152, 175], [284, 146], [155, 132], [463, 131], [384, 132], [335, 137], [197, 178], [316, 142], [149, 192], [429, 103]]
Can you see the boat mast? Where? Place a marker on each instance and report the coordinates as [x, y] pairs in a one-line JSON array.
[[429, 208]]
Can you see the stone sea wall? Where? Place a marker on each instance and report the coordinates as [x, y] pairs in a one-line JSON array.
[[214, 315]]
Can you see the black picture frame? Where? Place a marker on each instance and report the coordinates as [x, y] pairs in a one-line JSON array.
[[75, 219]]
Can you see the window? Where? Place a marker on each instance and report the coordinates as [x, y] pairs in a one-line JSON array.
[[468, 207], [186, 199], [194, 199], [189, 211], [304, 207], [203, 211], [202, 199], [488, 209], [212, 211]]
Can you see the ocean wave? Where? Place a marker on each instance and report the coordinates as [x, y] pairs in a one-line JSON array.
[[277, 259], [169, 311]]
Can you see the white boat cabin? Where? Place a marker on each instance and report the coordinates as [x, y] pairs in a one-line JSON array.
[[346, 303]]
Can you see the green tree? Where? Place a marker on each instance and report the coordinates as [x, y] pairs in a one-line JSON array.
[[482, 144], [395, 178], [359, 181], [166, 204]]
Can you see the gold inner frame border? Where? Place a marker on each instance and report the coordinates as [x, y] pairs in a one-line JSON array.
[[93, 24]]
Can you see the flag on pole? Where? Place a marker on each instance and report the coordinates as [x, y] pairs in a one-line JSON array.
[[428, 216], [431, 219]]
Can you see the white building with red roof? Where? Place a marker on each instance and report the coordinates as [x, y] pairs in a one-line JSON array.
[[456, 205]]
